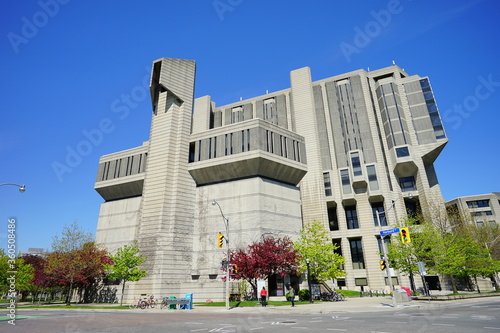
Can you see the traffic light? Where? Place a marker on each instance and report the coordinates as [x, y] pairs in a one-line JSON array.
[[235, 269], [220, 240], [405, 235], [383, 265]]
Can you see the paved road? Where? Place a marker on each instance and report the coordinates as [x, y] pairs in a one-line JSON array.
[[354, 315]]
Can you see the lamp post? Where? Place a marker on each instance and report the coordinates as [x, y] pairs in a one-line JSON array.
[[226, 237], [22, 188], [309, 280], [384, 251]]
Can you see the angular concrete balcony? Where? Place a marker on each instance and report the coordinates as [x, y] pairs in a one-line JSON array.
[[245, 165], [247, 149]]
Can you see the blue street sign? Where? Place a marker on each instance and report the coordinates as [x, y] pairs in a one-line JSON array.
[[389, 231]]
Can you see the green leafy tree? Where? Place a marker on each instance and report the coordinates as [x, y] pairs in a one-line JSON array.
[[22, 272], [315, 244], [126, 264], [405, 257]]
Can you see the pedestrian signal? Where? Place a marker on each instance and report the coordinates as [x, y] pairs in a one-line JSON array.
[[405, 235]]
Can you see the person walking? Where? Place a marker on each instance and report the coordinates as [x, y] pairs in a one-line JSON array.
[[263, 296], [291, 294]]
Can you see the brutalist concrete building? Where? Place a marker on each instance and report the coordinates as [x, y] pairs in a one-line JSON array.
[[355, 151]]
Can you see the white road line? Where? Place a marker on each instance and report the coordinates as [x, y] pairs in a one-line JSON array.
[[396, 322], [256, 328], [199, 330], [492, 328], [300, 328], [443, 325], [336, 329]]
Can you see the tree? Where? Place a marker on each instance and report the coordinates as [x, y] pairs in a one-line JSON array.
[[315, 244], [16, 268], [73, 238], [126, 264], [77, 267], [265, 258], [405, 257], [40, 279]]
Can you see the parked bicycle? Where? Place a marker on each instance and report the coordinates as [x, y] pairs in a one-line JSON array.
[[149, 302], [332, 297], [136, 303]]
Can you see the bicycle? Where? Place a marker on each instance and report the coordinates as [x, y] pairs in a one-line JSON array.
[[332, 297], [150, 302], [135, 304]]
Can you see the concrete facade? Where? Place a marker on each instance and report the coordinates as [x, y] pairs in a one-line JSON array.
[[481, 209], [336, 150]]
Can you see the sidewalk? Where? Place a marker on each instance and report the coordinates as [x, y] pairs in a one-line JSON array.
[[352, 304]]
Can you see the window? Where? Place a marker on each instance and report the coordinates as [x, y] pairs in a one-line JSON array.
[[478, 203], [387, 241], [372, 177], [269, 108], [346, 182], [378, 209], [332, 219], [407, 184], [328, 184], [488, 212], [352, 217], [402, 152], [358, 261], [236, 114], [361, 282], [337, 243], [356, 164]]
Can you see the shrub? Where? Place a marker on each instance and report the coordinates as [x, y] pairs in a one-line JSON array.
[[303, 295]]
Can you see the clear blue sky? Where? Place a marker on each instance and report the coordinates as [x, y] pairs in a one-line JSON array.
[[66, 65]]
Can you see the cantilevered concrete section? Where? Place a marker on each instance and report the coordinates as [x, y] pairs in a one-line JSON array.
[[341, 150]]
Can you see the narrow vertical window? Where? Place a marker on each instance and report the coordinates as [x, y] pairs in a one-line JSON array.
[[346, 182], [351, 217], [358, 260], [378, 213], [328, 184], [372, 177], [356, 164], [332, 219]]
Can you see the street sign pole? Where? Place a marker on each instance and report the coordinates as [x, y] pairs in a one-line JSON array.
[[383, 233]]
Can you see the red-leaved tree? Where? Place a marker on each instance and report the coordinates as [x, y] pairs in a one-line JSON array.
[[265, 258], [41, 281], [78, 268]]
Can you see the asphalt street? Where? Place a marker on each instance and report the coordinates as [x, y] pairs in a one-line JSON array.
[[368, 314]]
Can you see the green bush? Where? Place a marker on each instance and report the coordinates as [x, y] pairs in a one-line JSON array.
[[303, 295]]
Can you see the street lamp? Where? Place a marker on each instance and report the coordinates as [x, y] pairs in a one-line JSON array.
[[309, 280], [384, 251], [22, 188], [226, 237]]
